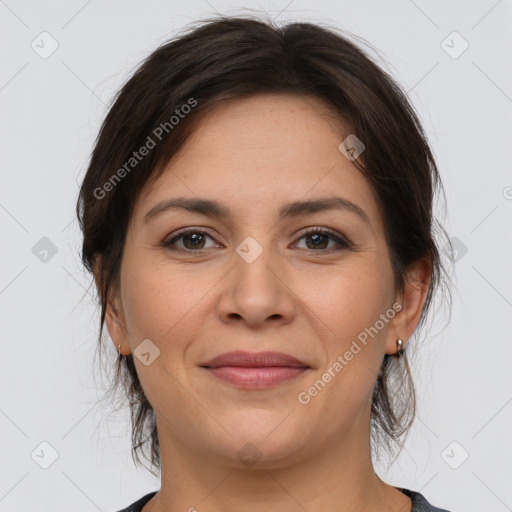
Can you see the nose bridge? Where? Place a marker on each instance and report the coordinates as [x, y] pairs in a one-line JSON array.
[[253, 265], [256, 291]]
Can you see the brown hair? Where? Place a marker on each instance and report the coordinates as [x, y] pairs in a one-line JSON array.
[[230, 57]]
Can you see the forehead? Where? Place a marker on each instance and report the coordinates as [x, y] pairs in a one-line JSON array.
[[263, 150]]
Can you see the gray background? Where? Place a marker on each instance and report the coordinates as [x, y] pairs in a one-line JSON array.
[[51, 110]]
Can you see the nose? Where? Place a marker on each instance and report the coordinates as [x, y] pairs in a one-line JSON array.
[[256, 293]]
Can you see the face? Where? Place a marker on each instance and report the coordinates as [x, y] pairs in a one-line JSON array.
[[258, 276]]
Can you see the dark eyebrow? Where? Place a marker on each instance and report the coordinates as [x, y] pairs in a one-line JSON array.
[[214, 209]]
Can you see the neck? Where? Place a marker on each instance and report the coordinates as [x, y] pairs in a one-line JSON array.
[[339, 477]]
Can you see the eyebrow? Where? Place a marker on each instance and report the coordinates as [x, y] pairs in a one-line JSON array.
[[294, 209]]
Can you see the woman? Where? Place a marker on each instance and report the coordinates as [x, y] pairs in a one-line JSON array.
[[257, 214]]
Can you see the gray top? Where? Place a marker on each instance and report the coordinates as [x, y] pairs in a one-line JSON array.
[[419, 503]]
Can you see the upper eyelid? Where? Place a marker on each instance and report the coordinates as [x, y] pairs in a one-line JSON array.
[[302, 233], [186, 231]]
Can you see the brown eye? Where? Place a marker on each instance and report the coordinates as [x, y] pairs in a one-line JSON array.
[[192, 240], [318, 240]]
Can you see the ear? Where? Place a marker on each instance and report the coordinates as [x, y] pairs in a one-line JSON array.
[[114, 317], [405, 321]]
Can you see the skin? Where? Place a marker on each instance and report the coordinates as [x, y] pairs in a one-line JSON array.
[[253, 155]]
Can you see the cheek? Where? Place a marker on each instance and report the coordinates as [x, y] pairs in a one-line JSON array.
[[163, 303], [350, 303], [167, 306], [349, 299]]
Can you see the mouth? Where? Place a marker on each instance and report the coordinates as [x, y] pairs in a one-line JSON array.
[[255, 370]]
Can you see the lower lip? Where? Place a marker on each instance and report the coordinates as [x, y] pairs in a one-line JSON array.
[[256, 377]]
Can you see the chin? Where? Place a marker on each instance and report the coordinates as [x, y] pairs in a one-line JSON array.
[[264, 441]]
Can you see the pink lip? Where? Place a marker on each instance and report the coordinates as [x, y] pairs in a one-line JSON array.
[[254, 359], [256, 370]]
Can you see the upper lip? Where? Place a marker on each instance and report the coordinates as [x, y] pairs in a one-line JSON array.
[[254, 359]]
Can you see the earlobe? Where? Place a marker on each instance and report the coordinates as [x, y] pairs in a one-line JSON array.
[[412, 299], [113, 316], [116, 327]]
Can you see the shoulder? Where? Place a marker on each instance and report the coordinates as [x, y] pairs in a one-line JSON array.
[[137, 505], [420, 503]]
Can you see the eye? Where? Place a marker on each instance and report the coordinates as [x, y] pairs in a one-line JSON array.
[[320, 238], [193, 240]]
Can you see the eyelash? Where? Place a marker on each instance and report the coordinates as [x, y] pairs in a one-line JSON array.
[[342, 242]]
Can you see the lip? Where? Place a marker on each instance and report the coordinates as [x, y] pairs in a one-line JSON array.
[[254, 360], [255, 370]]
